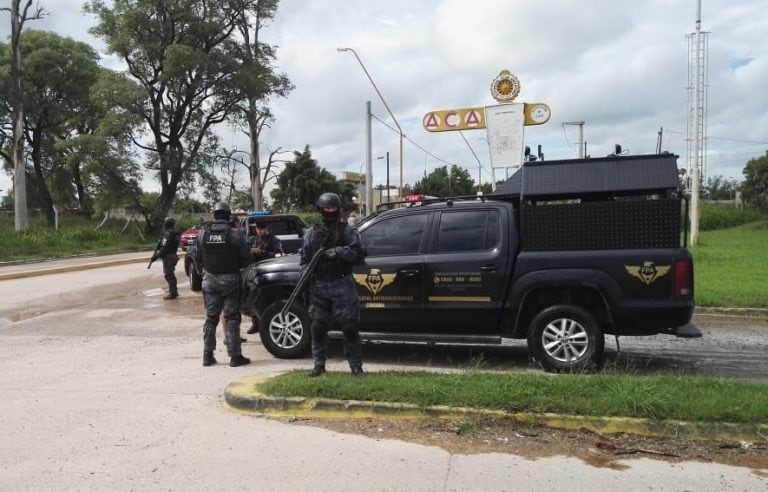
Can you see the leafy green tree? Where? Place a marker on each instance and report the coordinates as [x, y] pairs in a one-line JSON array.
[[98, 152], [303, 181], [184, 56], [443, 182], [754, 188], [57, 78]]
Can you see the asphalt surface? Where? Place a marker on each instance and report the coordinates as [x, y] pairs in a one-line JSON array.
[[103, 388]]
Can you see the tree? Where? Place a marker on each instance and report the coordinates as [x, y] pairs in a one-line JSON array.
[[97, 149], [184, 57], [18, 17], [257, 82], [57, 80], [443, 183], [754, 189], [301, 183], [719, 188]]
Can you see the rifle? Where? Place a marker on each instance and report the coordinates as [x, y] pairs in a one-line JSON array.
[[303, 281], [157, 248]]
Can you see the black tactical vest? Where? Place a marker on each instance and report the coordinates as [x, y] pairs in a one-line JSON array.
[[170, 242], [219, 254], [329, 236]]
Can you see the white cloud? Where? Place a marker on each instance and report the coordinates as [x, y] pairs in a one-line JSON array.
[[620, 66]]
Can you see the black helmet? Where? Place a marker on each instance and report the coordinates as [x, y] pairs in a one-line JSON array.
[[221, 211], [328, 200], [169, 222]]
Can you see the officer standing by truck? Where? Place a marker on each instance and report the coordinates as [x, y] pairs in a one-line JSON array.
[[223, 252], [332, 291], [264, 245], [169, 245]]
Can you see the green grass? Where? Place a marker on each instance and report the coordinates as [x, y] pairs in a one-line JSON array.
[[731, 266], [75, 237], [677, 397]]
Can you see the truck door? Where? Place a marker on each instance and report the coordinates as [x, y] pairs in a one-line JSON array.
[[390, 282], [465, 271]]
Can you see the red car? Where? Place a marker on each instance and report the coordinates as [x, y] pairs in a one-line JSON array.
[[189, 236]]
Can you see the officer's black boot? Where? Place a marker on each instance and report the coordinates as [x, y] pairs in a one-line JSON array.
[[353, 349], [239, 360], [173, 290], [316, 371], [208, 359], [254, 327]]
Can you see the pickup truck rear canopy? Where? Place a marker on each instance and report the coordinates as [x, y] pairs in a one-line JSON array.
[[614, 175]]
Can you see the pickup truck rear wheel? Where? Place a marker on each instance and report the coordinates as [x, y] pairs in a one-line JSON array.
[[288, 337], [195, 280], [566, 338]]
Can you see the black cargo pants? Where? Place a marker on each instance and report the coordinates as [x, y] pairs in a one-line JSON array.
[[335, 300]]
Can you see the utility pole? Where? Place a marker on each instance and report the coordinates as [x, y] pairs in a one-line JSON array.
[[695, 177], [388, 195], [368, 161], [658, 140]]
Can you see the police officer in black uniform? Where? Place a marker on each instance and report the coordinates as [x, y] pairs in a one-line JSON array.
[[223, 252], [332, 291], [169, 245], [264, 245]]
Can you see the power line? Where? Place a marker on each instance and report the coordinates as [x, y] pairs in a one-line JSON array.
[[474, 154], [412, 142], [724, 138]]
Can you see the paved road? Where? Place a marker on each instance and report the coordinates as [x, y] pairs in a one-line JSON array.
[[103, 389]]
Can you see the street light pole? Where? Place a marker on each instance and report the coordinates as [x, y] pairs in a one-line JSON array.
[[400, 130]]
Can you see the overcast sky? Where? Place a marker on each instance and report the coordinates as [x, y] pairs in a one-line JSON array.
[[620, 66]]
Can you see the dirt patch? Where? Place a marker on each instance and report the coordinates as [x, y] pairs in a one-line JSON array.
[[505, 435]]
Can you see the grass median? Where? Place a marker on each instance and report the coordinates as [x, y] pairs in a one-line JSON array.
[[659, 397], [730, 267]]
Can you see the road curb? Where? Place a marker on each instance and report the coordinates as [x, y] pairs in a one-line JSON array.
[[69, 268], [243, 396], [729, 311]]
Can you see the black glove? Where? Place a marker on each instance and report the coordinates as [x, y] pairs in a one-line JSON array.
[[333, 253]]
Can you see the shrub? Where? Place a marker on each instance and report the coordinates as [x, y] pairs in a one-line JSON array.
[[718, 216]]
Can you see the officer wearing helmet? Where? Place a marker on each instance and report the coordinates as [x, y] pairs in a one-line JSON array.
[[169, 245], [332, 291], [223, 252]]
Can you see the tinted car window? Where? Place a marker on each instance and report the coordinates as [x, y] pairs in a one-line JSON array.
[[395, 236], [476, 230]]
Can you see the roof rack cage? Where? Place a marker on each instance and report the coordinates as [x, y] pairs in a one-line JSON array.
[[429, 201]]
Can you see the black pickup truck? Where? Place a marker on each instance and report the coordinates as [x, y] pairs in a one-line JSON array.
[[289, 229], [589, 248]]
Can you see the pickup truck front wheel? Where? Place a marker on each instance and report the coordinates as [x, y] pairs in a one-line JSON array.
[[286, 337], [566, 338]]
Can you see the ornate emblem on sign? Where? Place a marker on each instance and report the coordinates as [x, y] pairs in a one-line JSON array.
[[375, 281], [648, 272], [505, 87]]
